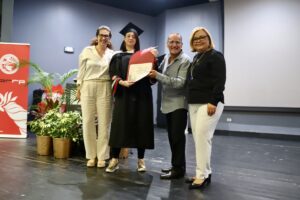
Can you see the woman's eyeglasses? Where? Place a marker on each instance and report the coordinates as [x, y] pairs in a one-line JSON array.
[[202, 37], [104, 36]]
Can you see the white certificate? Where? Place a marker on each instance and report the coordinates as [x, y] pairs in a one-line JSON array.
[[138, 71]]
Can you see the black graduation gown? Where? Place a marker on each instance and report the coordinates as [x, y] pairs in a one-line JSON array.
[[132, 121]]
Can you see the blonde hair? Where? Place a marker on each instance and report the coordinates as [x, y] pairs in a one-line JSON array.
[[195, 30]]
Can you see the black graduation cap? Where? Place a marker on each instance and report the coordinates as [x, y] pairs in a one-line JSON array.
[[130, 27]]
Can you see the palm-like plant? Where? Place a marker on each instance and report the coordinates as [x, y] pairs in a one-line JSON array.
[[53, 94], [47, 80]]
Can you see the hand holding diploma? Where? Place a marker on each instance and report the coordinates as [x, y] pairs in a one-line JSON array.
[[153, 73], [154, 51], [140, 64]]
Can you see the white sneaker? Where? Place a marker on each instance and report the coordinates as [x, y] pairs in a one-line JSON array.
[[141, 167], [113, 165], [101, 163], [91, 163]]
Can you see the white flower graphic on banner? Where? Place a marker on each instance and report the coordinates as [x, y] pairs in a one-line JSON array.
[[16, 112]]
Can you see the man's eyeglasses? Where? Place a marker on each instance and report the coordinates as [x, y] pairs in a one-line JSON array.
[[104, 36], [174, 42], [200, 37]]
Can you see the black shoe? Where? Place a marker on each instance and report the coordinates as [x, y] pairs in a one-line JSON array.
[[191, 179], [205, 183], [172, 175], [166, 170]]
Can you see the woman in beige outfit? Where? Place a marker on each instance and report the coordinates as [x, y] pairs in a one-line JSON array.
[[94, 91]]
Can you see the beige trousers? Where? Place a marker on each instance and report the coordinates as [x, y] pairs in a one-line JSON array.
[[203, 128], [96, 100]]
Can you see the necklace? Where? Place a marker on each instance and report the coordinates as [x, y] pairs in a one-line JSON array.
[[197, 60]]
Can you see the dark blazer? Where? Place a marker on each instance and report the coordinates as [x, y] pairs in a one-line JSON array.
[[207, 77]]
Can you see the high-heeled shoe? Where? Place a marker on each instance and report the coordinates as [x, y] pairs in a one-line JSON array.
[[191, 179], [205, 183]]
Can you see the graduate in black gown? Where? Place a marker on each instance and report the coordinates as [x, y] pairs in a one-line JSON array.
[[132, 123]]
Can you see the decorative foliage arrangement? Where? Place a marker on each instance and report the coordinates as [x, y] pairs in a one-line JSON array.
[[58, 125], [50, 116], [52, 84]]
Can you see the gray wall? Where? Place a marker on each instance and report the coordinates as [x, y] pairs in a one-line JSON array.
[[7, 20], [183, 20], [283, 123], [261, 46], [262, 51]]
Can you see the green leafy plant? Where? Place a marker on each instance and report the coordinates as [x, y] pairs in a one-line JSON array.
[[38, 127], [50, 119], [52, 85], [58, 125], [68, 126], [45, 79]]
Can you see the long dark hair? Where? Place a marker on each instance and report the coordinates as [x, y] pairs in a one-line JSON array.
[[94, 41], [136, 46]]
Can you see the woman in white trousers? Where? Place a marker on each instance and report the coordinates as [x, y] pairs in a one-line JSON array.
[[206, 84], [94, 92]]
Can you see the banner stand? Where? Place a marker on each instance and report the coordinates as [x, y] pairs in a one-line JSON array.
[[13, 90]]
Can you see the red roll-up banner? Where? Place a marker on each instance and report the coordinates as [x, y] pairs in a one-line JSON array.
[[13, 90]]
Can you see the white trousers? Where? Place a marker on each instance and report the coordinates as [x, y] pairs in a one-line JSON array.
[[203, 128], [96, 100]]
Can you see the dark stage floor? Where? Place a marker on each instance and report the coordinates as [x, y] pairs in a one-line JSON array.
[[243, 168]]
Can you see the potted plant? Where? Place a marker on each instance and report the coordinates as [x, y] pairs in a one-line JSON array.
[[43, 139], [52, 85], [47, 113], [64, 128]]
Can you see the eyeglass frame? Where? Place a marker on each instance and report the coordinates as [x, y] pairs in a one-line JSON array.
[[174, 42], [199, 38], [104, 35]]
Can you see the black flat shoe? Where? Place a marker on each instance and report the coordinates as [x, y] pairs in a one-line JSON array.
[[205, 183], [172, 175], [167, 170], [191, 179]]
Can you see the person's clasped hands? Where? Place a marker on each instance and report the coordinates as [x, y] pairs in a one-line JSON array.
[[126, 83], [123, 83]]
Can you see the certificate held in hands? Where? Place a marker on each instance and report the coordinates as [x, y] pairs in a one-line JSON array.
[[140, 65]]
